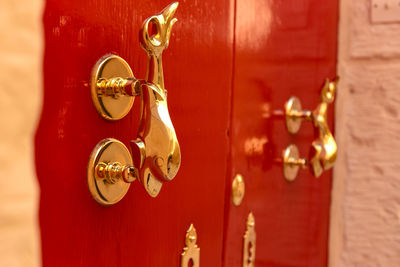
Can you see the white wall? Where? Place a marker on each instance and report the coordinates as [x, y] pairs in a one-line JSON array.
[[365, 214], [20, 90]]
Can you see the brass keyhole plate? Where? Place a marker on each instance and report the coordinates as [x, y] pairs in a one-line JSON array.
[[249, 242], [103, 191], [107, 67], [191, 253]]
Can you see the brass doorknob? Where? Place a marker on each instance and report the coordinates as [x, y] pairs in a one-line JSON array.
[[324, 147], [156, 155]]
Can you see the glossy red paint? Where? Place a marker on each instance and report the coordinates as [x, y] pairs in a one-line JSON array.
[[139, 230], [229, 65], [282, 48]]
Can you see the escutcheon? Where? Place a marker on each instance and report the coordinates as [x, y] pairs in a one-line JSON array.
[[109, 171], [191, 253], [292, 162], [249, 242], [294, 114], [113, 87]]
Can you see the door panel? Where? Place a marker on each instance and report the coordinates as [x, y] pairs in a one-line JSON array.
[[282, 49], [271, 50], [139, 230]]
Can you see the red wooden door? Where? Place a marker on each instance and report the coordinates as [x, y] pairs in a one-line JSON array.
[[282, 49], [229, 65], [139, 230]]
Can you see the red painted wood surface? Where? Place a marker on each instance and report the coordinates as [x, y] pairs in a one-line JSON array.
[[282, 48], [138, 231], [228, 66]]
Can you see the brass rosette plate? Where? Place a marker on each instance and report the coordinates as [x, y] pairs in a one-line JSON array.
[[290, 156], [111, 108], [103, 191], [293, 123]]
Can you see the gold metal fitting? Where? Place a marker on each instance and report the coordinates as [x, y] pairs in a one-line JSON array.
[[324, 147], [113, 87], [109, 171], [294, 113], [249, 242], [238, 189], [156, 148], [114, 171], [116, 87], [156, 144], [292, 162], [191, 252]]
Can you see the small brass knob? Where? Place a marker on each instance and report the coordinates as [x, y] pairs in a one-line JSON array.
[[114, 171], [116, 87]]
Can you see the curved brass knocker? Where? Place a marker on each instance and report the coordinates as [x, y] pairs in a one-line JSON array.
[[157, 145], [324, 148], [156, 155]]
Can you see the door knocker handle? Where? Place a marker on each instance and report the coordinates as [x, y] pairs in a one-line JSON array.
[[155, 155], [323, 148]]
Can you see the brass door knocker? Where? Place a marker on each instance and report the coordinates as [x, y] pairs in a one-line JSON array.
[[156, 155], [324, 147]]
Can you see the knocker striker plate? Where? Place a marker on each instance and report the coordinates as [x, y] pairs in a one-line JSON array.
[[104, 192], [111, 108]]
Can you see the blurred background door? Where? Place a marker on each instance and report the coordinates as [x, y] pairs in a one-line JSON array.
[[282, 49]]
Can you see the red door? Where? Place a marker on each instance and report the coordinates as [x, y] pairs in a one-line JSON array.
[[229, 66], [282, 49]]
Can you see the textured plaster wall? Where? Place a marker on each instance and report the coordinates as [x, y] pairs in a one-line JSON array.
[[20, 90], [365, 214]]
